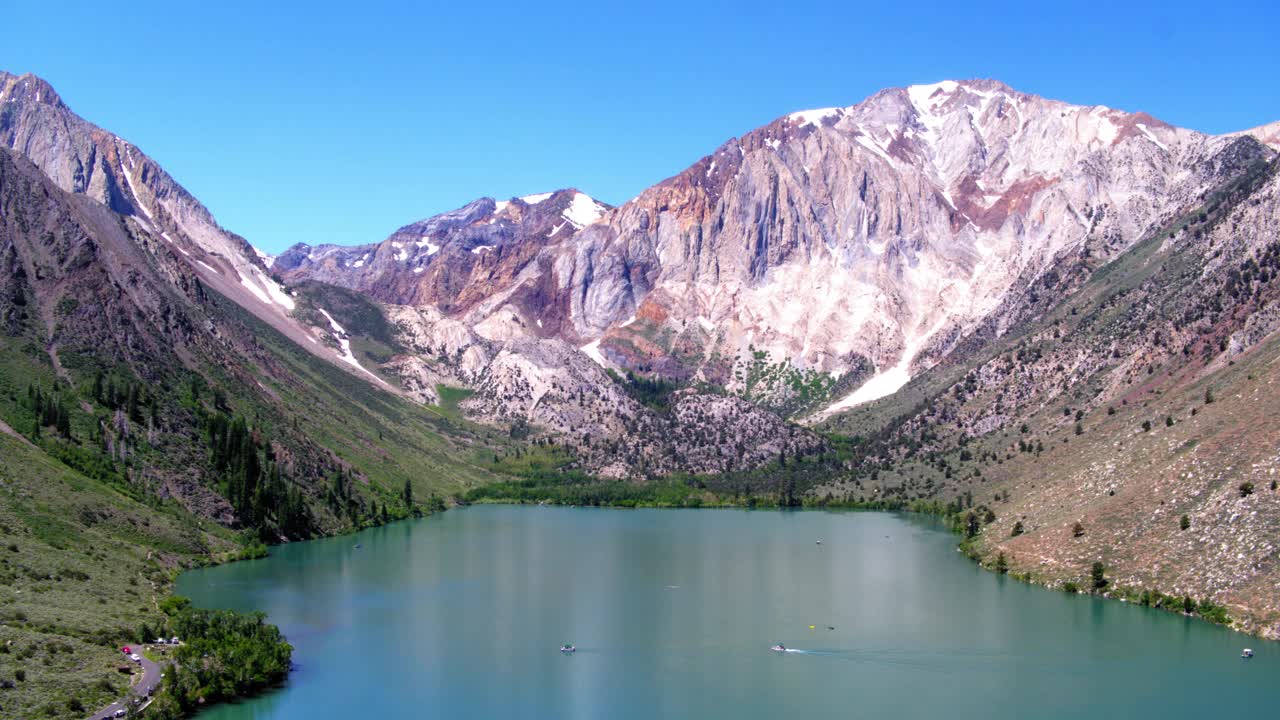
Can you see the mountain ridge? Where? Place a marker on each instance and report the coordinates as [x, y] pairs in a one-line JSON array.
[[916, 278], [594, 287]]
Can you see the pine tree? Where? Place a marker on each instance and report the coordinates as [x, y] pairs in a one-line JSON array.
[[64, 421], [1097, 575], [134, 412], [408, 496]]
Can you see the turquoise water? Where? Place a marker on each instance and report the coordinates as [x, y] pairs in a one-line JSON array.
[[673, 612]]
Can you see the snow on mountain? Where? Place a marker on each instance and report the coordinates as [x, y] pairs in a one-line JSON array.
[[583, 210], [873, 235], [82, 158], [877, 232]]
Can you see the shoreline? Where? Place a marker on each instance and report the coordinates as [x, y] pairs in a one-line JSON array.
[[931, 509], [1214, 614]]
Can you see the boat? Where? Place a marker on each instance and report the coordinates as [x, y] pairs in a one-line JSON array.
[[567, 648], [1246, 654], [779, 648]]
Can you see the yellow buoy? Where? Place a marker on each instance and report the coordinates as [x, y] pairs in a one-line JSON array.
[[810, 627]]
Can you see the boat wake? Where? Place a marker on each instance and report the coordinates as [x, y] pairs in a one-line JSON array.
[[890, 658]]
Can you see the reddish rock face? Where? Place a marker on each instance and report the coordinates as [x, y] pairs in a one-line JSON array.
[[827, 238]]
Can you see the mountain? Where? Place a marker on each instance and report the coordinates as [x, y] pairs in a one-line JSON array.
[[164, 403], [1127, 421], [835, 241], [83, 159], [832, 253], [918, 277], [1015, 311], [175, 359]]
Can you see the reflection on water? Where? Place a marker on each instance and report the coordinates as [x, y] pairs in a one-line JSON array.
[[673, 613]]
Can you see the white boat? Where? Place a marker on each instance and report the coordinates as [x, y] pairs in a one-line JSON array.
[[779, 648], [566, 649], [1246, 654]]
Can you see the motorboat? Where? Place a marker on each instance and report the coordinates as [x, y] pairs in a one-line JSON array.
[[566, 649], [1246, 654], [779, 648]]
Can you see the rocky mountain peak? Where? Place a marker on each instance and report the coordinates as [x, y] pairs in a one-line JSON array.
[[871, 235], [27, 88], [1268, 134]]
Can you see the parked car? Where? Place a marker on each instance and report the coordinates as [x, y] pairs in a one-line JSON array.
[[136, 657], [126, 650], [119, 713]]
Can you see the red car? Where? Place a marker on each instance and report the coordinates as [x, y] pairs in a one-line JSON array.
[[126, 650]]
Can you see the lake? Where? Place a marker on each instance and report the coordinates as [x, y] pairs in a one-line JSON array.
[[673, 612]]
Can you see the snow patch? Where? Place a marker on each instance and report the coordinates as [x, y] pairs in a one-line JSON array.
[[813, 117], [266, 289], [253, 288], [874, 147], [535, 199], [344, 342], [1152, 137], [1104, 129], [582, 211], [886, 382], [267, 259], [277, 293], [922, 95], [592, 349], [431, 247], [418, 270], [128, 178]]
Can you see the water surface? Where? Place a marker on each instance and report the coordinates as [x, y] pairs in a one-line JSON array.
[[673, 612]]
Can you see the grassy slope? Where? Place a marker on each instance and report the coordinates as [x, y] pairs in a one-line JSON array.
[[94, 557], [386, 437], [81, 564]]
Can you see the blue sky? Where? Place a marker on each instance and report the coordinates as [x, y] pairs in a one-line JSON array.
[[339, 123]]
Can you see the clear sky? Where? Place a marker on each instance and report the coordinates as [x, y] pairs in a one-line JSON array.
[[338, 123]]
